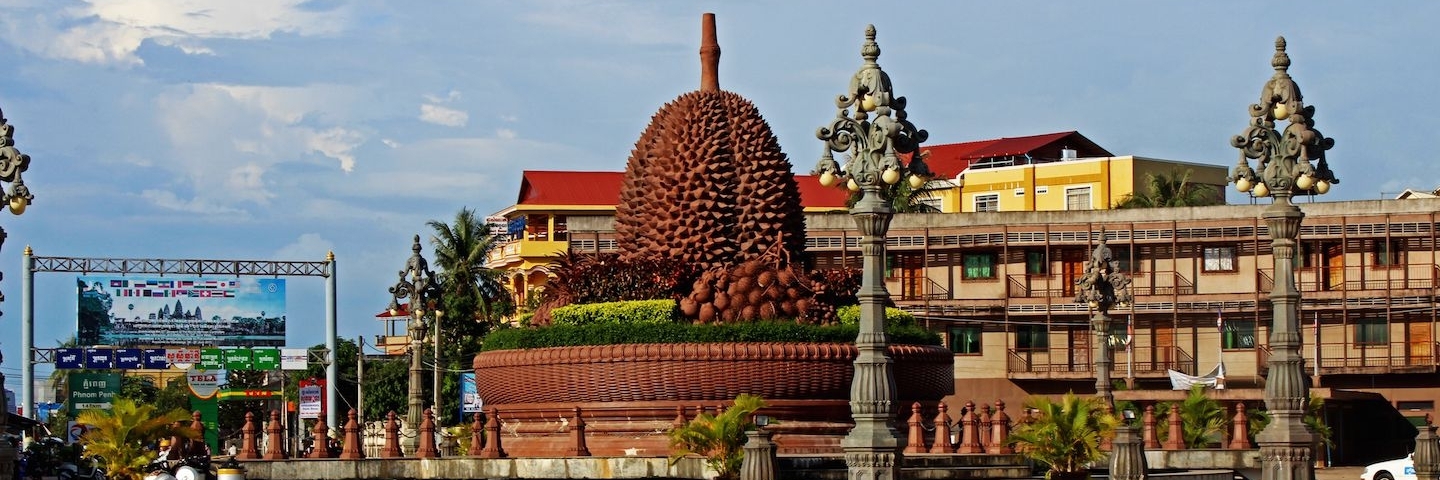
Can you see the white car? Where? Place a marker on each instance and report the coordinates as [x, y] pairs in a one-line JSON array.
[[1398, 469]]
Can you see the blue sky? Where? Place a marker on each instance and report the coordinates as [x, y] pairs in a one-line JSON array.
[[280, 130]]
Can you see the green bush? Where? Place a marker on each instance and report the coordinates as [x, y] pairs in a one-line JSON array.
[[850, 315], [618, 333], [635, 311]]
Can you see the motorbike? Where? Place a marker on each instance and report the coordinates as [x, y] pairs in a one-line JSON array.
[[188, 468], [86, 469]]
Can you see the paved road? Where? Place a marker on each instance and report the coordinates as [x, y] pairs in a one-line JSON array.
[[1338, 473]]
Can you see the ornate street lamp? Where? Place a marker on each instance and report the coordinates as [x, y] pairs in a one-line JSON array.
[[1285, 170], [417, 285], [874, 136], [1103, 286], [16, 198]]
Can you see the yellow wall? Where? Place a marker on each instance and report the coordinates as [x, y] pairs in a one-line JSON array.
[[1043, 187]]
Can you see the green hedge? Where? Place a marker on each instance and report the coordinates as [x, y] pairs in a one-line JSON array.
[[610, 313], [607, 334], [850, 315]]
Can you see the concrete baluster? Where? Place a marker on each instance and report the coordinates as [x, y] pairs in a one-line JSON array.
[[1240, 429], [984, 420], [492, 435], [477, 437], [249, 439], [354, 448], [680, 420], [942, 432], [577, 436], [1152, 442], [1000, 431], [275, 438], [1427, 454], [427, 437], [916, 441], [1176, 437], [392, 437], [321, 439], [969, 431]]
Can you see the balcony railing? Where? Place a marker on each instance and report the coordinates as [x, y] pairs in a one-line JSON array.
[[1357, 278], [1149, 362], [1349, 357], [1057, 286]]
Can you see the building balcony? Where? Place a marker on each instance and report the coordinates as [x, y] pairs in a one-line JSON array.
[[516, 251]]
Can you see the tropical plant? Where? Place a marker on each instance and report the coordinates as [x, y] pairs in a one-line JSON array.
[[472, 290], [1202, 419], [720, 438], [1314, 418], [1066, 434], [117, 437], [1172, 189]]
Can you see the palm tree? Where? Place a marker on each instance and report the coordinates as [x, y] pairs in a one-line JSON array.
[[1066, 435], [1202, 418], [461, 249], [1171, 190], [118, 437]]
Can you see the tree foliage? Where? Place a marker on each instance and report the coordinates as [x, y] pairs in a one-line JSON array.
[[118, 437], [1173, 189]]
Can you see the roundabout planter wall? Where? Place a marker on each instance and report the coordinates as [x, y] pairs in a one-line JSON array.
[[634, 390]]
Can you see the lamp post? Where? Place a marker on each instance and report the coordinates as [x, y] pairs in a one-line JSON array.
[[1285, 169], [1103, 286], [874, 136], [16, 198], [418, 286]]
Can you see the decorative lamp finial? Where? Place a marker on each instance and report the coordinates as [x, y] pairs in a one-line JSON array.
[[870, 51], [1281, 60]]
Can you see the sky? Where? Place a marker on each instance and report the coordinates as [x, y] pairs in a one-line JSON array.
[[285, 129]]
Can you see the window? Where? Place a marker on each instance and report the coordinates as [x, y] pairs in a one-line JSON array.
[[1219, 259], [1078, 198], [965, 340], [1371, 331], [1032, 337], [1238, 334], [537, 227], [1035, 262], [1121, 256], [1388, 253], [989, 202], [979, 265], [561, 233]]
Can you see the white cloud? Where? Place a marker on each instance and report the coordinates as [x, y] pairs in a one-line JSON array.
[[453, 95], [509, 118], [169, 201], [112, 31], [225, 138], [307, 247], [505, 133], [390, 143], [443, 116]]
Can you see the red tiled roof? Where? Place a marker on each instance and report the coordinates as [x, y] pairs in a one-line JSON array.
[[815, 195], [539, 187], [603, 189], [949, 160]]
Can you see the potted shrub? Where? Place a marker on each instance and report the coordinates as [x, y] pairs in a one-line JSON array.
[[1065, 435]]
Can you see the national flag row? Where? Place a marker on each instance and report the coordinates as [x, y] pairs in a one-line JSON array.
[[241, 358], [157, 284], [175, 293]]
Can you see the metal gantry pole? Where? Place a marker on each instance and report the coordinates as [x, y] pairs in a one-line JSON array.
[[27, 335], [332, 376]]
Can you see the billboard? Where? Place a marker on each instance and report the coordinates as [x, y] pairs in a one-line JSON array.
[[140, 311], [470, 401]]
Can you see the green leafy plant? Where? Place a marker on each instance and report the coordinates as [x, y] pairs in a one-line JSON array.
[[1202, 419], [1065, 435], [850, 315], [1314, 418], [720, 438], [632, 311], [118, 436]]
